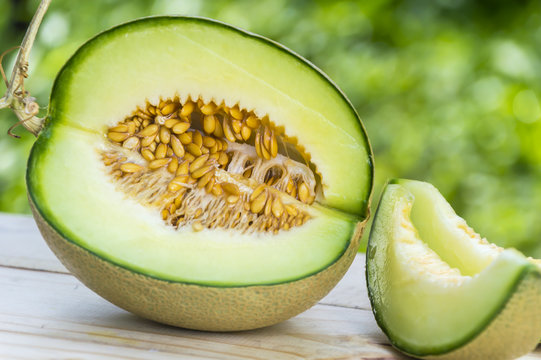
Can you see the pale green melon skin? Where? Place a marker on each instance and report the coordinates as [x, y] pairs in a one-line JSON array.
[[191, 306], [519, 321]]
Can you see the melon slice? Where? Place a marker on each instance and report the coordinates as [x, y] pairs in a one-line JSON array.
[[439, 290]]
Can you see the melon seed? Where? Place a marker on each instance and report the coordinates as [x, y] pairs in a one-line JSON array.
[[165, 135], [177, 147], [117, 136], [119, 128], [149, 130], [158, 163], [181, 127], [304, 192], [131, 143], [185, 138], [230, 188], [187, 109], [258, 203], [201, 171], [130, 167], [209, 124], [198, 162], [205, 179], [277, 208], [194, 149], [169, 109]]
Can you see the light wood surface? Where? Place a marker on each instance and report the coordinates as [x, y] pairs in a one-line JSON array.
[[45, 313]]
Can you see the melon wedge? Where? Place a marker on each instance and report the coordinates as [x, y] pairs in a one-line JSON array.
[[438, 289]]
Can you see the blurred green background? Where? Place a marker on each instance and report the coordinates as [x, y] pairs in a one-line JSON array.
[[448, 90]]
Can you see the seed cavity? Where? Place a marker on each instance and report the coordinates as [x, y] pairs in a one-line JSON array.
[[211, 166]]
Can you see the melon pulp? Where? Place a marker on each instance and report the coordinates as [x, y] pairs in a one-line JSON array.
[[216, 278], [439, 290]]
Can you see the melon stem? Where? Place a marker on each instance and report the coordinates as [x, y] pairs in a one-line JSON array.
[[16, 97]]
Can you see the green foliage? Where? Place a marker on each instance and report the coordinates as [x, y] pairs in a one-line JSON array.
[[448, 90]]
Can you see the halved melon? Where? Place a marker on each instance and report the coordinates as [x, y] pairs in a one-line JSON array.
[[439, 290], [200, 175]]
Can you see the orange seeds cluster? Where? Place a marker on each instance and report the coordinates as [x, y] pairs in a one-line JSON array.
[[187, 147]]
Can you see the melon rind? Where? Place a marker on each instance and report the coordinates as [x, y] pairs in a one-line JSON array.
[[499, 307], [513, 332], [192, 306]]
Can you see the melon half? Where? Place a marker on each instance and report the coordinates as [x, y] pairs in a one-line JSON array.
[[199, 175]]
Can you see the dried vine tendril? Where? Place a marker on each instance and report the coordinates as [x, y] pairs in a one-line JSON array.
[[16, 97]]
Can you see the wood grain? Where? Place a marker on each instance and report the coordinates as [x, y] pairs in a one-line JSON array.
[[45, 313], [21, 245]]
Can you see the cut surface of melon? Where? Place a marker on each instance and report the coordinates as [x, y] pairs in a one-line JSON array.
[[438, 289], [155, 58], [91, 212]]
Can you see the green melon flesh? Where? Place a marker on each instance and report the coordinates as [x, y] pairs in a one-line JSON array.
[[438, 290], [116, 72], [72, 193]]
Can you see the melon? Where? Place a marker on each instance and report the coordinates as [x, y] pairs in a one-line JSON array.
[[440, 290], [200, 175]]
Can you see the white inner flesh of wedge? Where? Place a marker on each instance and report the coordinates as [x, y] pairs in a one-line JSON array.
[[426, 298], [447, 233]]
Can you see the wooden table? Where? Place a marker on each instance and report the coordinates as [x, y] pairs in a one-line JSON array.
[[45, 313]]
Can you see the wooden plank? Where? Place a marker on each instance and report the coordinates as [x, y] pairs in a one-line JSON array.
[[51, 315], [21, 245], [54, 315], [351, 290]]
